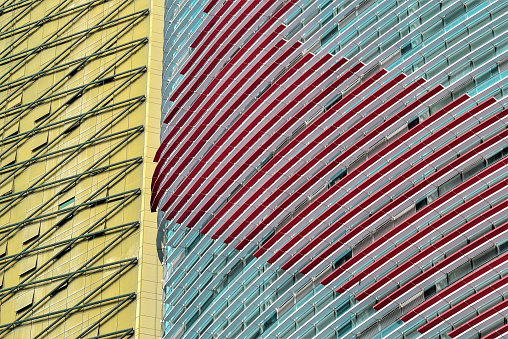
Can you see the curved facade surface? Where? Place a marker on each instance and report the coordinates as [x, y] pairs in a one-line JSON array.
[[334, 168]]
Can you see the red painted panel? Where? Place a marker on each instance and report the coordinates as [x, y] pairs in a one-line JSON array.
[[448, 313]]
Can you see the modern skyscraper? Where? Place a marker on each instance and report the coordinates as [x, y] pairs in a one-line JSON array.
[[80, 109], [334, 169]]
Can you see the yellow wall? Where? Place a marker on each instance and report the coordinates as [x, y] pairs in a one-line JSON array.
[[104, 164]]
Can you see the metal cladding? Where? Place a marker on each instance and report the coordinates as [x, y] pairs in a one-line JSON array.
[[334, 169], [79, 119]]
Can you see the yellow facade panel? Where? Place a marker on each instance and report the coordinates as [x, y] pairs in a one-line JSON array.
[[39, 140], [11, 130], [91, 240], [6, 188], [14, 101], [30, 232], [25, 300], [28, 264], [3, 251]]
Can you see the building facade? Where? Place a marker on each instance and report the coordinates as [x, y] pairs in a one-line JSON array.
[[334, 169], [79, 115]]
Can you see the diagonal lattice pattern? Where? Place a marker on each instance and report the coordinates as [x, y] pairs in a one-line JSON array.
[[74, 95]]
